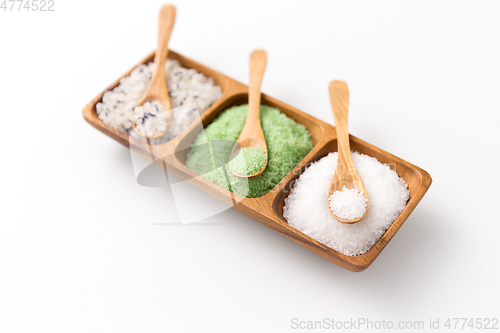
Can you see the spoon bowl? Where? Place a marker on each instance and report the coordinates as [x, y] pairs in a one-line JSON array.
[[252, 135], [345, 174], [157, 89]]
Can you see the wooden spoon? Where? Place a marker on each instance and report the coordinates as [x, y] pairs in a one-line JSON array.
[[345, 173], [252, 135], [157, 89]]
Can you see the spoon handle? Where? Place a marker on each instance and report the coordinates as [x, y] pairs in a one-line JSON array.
[[166, 20], [339, 99], [258, 61]]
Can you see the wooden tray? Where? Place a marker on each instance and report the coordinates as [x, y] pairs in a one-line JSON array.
[[268, 209]]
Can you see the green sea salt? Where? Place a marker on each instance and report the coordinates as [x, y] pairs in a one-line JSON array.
[[287, 143], [248, 161]]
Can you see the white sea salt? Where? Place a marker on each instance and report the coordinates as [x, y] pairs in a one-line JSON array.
[[348, 204], [150, 118], [185, 87], [306, 207]]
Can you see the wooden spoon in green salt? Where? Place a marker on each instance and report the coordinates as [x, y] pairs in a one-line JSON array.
[[251, 146]]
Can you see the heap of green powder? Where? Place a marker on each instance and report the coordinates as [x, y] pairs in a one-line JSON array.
[[248, 161], [287, 144]]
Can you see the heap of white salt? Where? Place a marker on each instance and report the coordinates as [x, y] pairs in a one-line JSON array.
[[306, 208], [191, 93]]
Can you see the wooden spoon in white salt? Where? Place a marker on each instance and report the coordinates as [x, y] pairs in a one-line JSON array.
[[157, 89], [346, 174]]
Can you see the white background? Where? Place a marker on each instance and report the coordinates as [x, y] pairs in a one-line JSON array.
[[79, 248]]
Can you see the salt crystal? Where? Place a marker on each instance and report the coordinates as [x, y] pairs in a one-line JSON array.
[[348, 204], [150, 118]]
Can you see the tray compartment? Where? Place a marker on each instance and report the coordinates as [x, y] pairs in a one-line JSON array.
[[90, 113], [417, 179]]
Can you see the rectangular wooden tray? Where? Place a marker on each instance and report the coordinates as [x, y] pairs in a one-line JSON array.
[[268, 209]]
